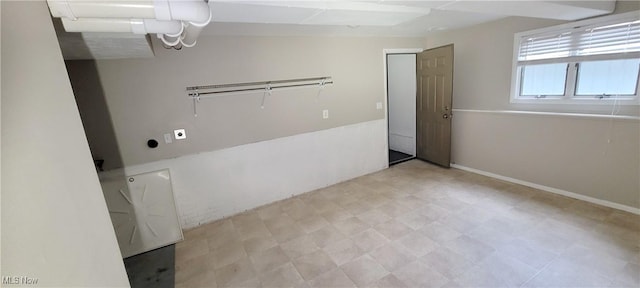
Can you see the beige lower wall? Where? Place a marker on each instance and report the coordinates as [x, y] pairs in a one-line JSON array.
[[594, 157], [146, 97], [598, 158]]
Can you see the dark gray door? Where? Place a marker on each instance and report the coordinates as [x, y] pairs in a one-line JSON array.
[[433, 115]]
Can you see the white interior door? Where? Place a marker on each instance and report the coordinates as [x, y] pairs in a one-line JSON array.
[[401, 85], [143, 211]]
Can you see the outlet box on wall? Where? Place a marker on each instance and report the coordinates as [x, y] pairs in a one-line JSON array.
[[180, 134]]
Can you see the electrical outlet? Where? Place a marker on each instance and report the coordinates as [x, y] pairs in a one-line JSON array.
[[167, 138], [180, 134], [379, 105], [325, 114]]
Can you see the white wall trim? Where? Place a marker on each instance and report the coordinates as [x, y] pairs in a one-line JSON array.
[[559, 114], [401, 135], [552, 190], [402, 51]]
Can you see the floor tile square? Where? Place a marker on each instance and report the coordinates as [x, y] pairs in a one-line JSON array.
[[369, 240], [284, 276], [336, 215], [235, 273], [284, 234], [447, 262], [364, 270], [417, 244], [355, 208], [439, 233], [334, 278], [190, 249], [390, 257], [389, 281], [269, 259], [258, 244], [565, 273], [393, 229], [326, 235], [312, 224], [470, 248], [416, 274], [532, 255], [343, 251], [299, 246], [415, 220], [314, 264], [373, 217], [228, 253], [351, 226]]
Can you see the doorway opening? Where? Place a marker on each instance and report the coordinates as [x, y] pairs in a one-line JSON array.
[[401, 105], [419, 97]]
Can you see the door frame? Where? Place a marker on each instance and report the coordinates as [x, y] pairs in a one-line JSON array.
[[386, 52]]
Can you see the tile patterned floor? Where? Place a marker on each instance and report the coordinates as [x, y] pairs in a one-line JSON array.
[[416, 225]]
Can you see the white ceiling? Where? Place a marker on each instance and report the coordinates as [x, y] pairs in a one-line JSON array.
[[380, 17], [411, 26], [346, 18]]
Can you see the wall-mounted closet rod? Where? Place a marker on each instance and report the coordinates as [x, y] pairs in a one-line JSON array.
[[262, 83], [258, 89], [265, 87]]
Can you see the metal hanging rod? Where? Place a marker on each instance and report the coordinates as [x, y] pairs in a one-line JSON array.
[[266, 87], [273, 84]]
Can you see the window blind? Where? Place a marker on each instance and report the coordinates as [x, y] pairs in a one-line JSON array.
[[622, 36]]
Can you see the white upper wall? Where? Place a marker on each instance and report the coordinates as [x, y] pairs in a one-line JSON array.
[[55, 224]]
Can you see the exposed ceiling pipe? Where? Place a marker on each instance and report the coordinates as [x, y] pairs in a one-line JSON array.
[[192, 30], [73, 10], [135, 26], [176, 22]]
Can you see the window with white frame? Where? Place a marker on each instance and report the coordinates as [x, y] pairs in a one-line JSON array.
[[593, 61]]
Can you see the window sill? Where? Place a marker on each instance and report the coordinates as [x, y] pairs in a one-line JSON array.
[[577, 101], [560, 114]]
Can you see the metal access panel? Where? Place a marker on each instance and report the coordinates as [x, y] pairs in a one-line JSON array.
[[143, 211]]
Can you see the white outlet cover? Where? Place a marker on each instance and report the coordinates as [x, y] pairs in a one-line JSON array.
[[325, 114], [167, 138], [180, 134], [379, 105]]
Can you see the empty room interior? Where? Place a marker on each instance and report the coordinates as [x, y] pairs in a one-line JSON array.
[[194, 143]]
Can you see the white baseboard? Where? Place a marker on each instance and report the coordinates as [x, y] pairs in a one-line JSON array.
[[402, 143], [552, 190]]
